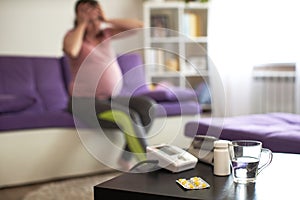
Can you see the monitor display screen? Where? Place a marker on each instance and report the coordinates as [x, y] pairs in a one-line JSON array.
[[168, 150]]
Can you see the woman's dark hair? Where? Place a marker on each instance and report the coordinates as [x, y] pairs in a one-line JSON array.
[[92, 3]]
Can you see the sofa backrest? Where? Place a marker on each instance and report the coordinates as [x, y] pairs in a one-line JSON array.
[[41, 79], [134, 78]]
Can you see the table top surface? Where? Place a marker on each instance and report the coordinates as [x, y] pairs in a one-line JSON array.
[[277, 181]]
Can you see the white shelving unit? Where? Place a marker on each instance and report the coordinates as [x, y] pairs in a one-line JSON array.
[[176, 44]]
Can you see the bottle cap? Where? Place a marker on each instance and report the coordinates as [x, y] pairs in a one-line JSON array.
[[221, 143]]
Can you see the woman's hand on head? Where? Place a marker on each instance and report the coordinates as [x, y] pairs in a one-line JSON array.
[[83, 14], [101, 13]]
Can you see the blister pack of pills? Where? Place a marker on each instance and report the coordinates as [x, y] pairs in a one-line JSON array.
[[193, 183]]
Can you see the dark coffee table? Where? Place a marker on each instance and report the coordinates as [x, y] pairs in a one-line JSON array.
[[279, 181]]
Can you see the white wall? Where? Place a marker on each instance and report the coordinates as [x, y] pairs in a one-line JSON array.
[[37, 27], [248, 33]]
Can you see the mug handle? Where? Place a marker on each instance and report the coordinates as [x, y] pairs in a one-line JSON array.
[[269, 160]]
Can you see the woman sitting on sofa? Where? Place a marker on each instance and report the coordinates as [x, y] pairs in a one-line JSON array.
[[91, 35]]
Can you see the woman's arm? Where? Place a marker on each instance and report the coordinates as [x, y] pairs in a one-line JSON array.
[[73, 41], [119, 25]]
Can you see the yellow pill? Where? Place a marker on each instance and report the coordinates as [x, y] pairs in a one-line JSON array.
[[183, 182], [195, 179], [197, 183]]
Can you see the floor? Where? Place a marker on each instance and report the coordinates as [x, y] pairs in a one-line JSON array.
[[19, 192]]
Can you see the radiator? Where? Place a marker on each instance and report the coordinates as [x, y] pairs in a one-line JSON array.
[[274, 88]]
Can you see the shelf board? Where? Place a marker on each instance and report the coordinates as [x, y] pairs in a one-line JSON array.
[[164, 5], [201, 39], [196, 5], [195, 73], [201, 73], [187, 39], [170, 4], [165, 40], [206, 107], [165, 74]]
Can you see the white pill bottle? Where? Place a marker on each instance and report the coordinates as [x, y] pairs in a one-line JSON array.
[[221, 158]]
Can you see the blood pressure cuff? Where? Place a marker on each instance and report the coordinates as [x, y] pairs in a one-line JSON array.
[[202, 147]]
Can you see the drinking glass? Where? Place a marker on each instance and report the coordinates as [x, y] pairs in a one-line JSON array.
[[245, 160]]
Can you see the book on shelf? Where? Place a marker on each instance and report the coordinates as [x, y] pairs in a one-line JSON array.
[[192, 24], [172, 64], [159, 24], [156, 59]]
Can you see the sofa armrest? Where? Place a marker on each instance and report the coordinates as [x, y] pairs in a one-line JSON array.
[[172, 94]]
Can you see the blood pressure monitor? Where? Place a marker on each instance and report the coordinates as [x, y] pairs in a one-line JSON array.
[[171, 157]]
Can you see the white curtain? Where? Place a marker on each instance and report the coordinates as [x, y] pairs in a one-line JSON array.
[[245, 33]]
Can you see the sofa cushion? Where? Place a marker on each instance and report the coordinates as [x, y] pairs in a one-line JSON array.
[[169, 94], [37, 77], [50, 84], [15, 103], [178, 108], [17, 77]]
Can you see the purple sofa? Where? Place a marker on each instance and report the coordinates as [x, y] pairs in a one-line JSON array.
[[279, 132], [33, 92], [37, 133]]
